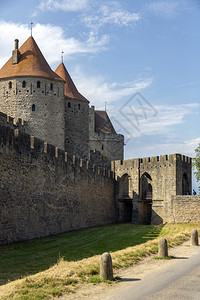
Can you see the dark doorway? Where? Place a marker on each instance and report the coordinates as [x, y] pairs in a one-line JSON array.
[[185, 185], [124, 186], [126, 206], [128, 209], [145, 197]]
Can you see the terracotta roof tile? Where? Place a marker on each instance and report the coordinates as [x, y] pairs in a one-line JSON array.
[[31, 63], [103, 123], [70, 88]]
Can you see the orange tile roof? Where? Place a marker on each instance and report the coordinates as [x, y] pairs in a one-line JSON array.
[[70, 88], [31, 63], [103, 123]]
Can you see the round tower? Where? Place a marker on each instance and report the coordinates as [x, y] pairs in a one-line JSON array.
[[76, 117], [30, 90]]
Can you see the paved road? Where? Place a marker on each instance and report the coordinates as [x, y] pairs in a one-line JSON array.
[[181, 281]]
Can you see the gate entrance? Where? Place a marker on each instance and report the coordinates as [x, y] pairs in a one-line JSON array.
[[125, 201], [145, 199]]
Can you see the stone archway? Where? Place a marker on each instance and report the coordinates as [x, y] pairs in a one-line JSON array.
[[125, 201], [145, 199]]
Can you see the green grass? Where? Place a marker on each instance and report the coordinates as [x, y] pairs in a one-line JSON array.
[[75, 257], [22, 259]]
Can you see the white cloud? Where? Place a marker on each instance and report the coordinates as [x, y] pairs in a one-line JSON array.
[[98, 91], [50, 39], [66, 5], [112, 14], [192, 144], [164, 8], [167, 117], [143, 119]]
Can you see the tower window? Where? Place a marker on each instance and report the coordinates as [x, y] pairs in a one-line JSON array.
[[10, 85], [33, 107], [51, 86], [24, 84], [102, 147], [79, 106], [38, 84], [69, 104]]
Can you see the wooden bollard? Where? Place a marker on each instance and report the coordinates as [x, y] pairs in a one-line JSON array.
[[106, 270], [162, 248], [194, 238]]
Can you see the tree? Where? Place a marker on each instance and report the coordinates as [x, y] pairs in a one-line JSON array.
[[196, 164]]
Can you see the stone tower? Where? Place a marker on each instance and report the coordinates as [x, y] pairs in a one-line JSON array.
[[103, 137], [30, 90], [76, 116]]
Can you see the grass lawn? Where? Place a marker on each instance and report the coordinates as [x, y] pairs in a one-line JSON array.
[[73, 257], [21, 259]]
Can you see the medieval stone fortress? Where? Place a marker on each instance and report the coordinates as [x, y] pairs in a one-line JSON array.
[[61, 161]]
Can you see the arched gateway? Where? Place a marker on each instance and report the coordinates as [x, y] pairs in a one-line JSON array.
[[145, 199], [146, 187]]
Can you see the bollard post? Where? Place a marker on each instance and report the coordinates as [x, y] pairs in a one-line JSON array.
[[106, 271], [194, 238], [162, 248]]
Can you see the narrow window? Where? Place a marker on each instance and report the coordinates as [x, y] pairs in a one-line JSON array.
[[38, 84], [33, 107], [69, 104], [51, 86], [102, 147], [10, 85], [79, 106], [24, 84]]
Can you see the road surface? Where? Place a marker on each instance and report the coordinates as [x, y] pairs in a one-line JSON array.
[[180, 281]]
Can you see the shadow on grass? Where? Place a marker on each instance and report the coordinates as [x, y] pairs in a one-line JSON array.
[[25, 258]]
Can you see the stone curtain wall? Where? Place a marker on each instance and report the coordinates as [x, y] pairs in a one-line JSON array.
[[185, 209], [45, 191]]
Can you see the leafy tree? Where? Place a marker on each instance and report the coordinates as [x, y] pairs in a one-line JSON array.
[[196, 164]]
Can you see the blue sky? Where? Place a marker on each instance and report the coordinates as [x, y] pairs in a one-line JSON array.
[[114, 49]]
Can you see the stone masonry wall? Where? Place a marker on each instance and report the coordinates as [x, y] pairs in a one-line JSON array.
[[76, 127], [111, 146], [185, 209], [40, 102], [164, 173], [45, 191]]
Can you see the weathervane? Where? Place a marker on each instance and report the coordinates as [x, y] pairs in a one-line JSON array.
[[31, 28], [62, 56], [105, 106]]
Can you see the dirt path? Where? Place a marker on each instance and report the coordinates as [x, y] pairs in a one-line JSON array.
[[143, 269]]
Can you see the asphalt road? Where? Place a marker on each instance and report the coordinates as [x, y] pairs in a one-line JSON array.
[[180, 281]]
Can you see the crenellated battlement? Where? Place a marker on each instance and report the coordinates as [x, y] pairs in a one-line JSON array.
[[166, 158], [100, 136], [154, 159], [8, 120], [13, 138]]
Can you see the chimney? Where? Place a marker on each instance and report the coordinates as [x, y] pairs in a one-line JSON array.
[[15, 53]]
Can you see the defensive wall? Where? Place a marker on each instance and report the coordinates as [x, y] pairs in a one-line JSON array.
[[45, 191], [185, 209], [146, 186]]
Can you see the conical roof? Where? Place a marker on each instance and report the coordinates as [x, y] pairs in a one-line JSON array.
[[103, 123], [70, 88], [31, 63]]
